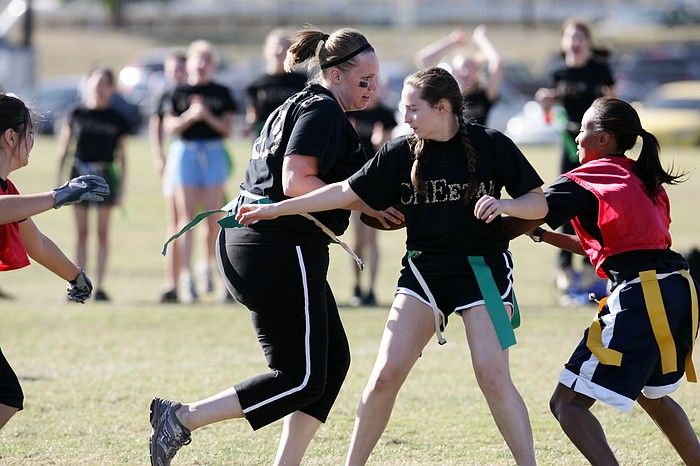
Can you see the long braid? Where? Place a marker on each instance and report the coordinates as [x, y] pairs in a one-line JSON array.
[[417, 146], [472, 158]]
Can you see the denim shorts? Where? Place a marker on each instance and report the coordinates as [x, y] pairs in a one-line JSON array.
[[198, 163]]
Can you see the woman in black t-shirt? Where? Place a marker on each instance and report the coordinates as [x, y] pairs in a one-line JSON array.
[[478, 97], [278, 269], [99, 132], [448, 177], [270, 90], [200, 115], [582, 77]]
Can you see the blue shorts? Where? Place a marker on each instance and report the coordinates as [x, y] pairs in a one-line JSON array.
[[198, 163], [626, 328], [452, 282]]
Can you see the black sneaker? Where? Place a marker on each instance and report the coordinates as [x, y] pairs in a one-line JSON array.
[[100, 295], [369, 299], [169, 297], [168, 435], [356, 299]]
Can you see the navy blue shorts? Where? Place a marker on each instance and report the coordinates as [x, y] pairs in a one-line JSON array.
[[626, 328], [452, 282], [10, 389]]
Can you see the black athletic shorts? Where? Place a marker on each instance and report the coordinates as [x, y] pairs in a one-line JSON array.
[[10, 389]]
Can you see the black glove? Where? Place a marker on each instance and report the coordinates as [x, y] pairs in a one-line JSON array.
[[81, 188], [80, 288]]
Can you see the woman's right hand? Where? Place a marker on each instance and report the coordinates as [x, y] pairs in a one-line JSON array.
[[250, 213]]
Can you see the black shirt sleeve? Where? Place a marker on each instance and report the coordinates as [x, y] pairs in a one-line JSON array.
[[313, 130], [518, 176], [378, 182], [566, 200]]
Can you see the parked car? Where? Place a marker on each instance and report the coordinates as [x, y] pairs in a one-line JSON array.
[[672, 113], [641, 72]]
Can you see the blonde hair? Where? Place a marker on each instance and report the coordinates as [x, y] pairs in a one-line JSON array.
[[202, 47]]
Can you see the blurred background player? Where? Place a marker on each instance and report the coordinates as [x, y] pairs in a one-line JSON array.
[[200, 114], [175, 75], [373, 126], [271, 89], [19, 236], [99, 132], [479, 92], [582, 77]]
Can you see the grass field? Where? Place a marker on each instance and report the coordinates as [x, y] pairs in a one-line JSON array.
[[89, 371]]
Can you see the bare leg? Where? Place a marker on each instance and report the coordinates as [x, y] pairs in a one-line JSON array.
[[674, 423], [211, 199], [224, 405], [6, 412], [186, 199], [103, 218], [408, 329], [572, 410], [81, 217], [172, 276], [298, 430], [493, 375]]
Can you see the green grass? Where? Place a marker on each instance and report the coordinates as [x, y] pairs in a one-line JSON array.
[[89, 371]]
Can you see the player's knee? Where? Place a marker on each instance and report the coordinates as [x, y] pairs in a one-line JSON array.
[[492, 381], [388, 377]]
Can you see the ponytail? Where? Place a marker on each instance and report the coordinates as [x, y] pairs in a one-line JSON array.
[[648, 165], [304, 47], [338, 49], [621, 120]]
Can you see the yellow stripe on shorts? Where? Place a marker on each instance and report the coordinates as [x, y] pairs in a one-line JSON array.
[[659, 322], [594, 342], [689, 368]]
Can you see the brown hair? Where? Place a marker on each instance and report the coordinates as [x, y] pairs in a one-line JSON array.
[[436, 84], [339, 44], [620, 119], [15, 115]]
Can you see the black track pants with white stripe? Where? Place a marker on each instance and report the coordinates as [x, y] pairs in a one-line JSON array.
[[283, 284]]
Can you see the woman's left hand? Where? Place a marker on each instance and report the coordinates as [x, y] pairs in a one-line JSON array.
[[487, 208], [250, 213]]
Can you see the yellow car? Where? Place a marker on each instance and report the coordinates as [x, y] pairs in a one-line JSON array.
[[672, 113]]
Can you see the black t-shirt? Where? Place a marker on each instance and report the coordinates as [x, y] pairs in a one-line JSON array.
[[310, 123], [364, 121], [440, 221], [477, 106], [97, 132], [216, 97], [269, 91], [162, 103], [566, 199], [579, 87]]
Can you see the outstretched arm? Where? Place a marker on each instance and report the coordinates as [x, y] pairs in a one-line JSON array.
[[332, 196], [531, 205], [493, 58], [16, 208], [519, 226], [431, 54]]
